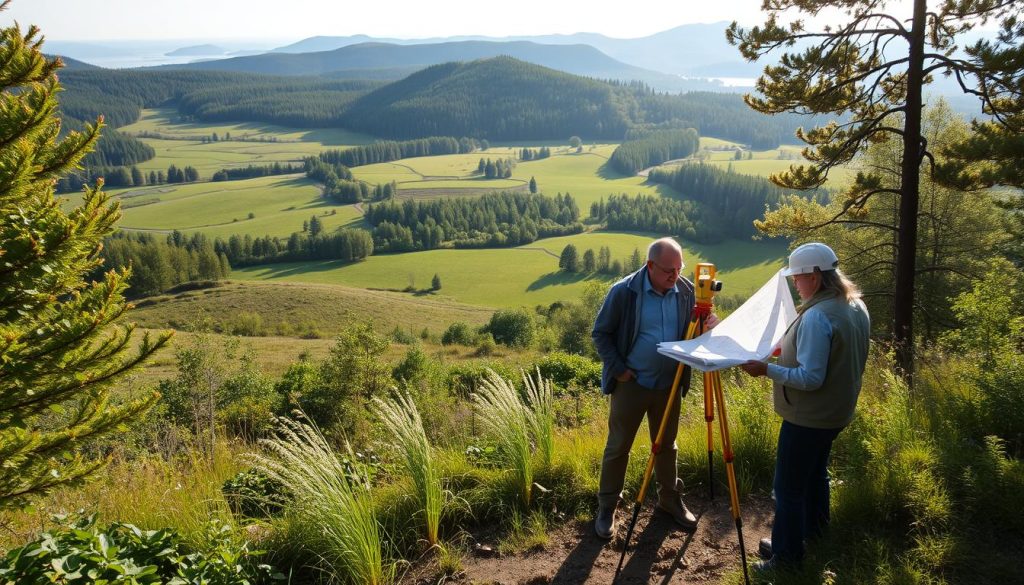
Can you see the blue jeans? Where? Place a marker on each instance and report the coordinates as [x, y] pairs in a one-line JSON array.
[[801, 489]]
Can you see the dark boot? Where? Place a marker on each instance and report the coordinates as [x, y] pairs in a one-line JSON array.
[[604, 523], [671, 503], [764, 548]]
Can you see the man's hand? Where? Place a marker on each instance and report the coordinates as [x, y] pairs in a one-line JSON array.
[[626, 376], [711, 321], [755, 368]]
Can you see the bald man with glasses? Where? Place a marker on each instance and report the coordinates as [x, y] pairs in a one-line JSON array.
[[643, 309]]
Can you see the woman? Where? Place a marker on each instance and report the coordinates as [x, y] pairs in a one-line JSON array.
[[817, 381]]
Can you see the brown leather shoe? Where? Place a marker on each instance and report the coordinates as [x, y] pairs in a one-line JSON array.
[[672, 504], [604, 522]]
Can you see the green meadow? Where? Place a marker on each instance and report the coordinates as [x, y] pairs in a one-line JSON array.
[[167, 123], [278, 204], [523, 276], [180, 142]]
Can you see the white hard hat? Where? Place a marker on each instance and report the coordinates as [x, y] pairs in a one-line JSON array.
[[810, 257]]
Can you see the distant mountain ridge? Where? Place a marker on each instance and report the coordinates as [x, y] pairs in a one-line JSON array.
[[577, 59], [694, 50]]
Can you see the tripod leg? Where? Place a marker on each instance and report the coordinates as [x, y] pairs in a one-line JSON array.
[[727, 455], [655, 448], [709, 419]]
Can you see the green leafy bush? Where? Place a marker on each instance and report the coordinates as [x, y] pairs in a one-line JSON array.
[[253, 494], [567, 371], [458, 332], [81, 552]]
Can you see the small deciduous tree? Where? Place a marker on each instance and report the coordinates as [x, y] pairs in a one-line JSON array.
[[59, 349]]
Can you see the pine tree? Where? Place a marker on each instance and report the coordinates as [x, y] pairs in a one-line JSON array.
[[58, 350], [569, 260], [872, 68], [533, 185], [435, 283]]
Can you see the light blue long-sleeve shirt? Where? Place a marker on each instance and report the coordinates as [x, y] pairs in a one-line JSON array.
[[659, 321], [814, 339]]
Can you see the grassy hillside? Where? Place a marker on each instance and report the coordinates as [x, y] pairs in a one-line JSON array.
[[286, 308], [168, 123], [524, 276]]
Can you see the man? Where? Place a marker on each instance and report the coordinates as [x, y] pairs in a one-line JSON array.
[[647, 307]]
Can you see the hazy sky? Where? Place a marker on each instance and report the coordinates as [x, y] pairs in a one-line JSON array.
[[67, 20]]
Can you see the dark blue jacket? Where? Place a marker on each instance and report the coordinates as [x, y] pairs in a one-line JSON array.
[[618, 323]]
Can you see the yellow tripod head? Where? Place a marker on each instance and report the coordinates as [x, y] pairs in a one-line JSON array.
[[705, 283]]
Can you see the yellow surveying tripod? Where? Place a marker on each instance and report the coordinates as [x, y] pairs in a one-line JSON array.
[[705, 286]]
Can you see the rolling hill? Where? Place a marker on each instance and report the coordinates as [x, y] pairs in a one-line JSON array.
[[578, 59], [694, 50]]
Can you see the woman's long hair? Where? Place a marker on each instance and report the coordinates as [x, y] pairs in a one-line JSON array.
[[835, 280]]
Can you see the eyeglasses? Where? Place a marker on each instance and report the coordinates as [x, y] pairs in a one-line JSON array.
[[666, 271]]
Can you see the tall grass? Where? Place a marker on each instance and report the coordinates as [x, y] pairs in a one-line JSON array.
[[333, 506], [149, 492], [402, 419], [540, 414], [506, 420]]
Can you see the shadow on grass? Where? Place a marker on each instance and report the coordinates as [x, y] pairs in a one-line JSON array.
[[286, 269], [563, 278], [608, 172]]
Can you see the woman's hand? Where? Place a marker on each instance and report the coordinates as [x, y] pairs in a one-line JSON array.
[[755, 368]]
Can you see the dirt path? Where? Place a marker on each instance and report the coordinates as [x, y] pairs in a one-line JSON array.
[[659, 552]]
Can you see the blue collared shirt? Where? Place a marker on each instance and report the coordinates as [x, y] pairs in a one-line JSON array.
[[814, 340], [659, 321]]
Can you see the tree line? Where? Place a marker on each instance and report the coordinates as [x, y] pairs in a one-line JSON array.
[[125, 177], [389, 150], [341, 186], [500, 168], [730, 202], [492, 220], [653, 148], [570, 260], [347, 245], [648, 213], [527, 154], [161, 263], [253, 171]]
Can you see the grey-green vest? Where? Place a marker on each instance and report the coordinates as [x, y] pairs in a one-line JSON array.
[[831, 406]]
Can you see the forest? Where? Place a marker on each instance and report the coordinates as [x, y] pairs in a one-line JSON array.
[[492, 220]]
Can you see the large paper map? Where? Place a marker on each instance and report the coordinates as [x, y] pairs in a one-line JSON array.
[[749, 333]]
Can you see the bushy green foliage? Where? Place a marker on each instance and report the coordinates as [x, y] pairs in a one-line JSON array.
[[569, 371], [458, 332], [512, 327], [252, 494], [82, 552]]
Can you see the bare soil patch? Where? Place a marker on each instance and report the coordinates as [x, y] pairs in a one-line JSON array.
[[659, 551]]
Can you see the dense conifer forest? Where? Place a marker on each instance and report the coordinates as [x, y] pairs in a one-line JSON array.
[[493, 220], [652, 148]]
